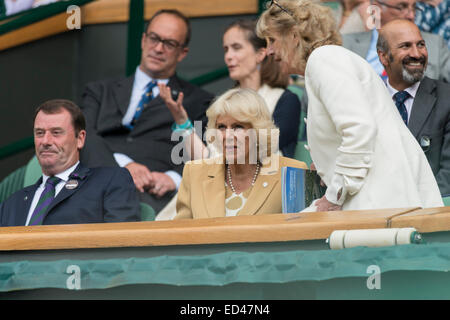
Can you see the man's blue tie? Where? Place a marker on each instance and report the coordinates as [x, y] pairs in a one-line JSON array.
[[400, 98], [146, 98]]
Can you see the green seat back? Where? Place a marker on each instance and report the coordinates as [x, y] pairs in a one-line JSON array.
[[333, 5], [20, 178], [147, 212], [446, 200], [12, 183], [32, 173], [301, 153]]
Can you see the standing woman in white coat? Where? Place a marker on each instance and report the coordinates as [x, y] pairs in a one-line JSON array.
[[358, 142]]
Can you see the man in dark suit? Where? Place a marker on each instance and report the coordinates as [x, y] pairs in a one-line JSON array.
[[123, 130], [68, 192], [424, 103]]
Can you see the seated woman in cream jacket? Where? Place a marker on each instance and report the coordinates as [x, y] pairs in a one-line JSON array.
[[358, 142], [243, 177]]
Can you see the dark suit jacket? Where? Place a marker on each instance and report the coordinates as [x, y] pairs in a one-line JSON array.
[[286, 117], [102, 195], [105, 104], [430, 117]]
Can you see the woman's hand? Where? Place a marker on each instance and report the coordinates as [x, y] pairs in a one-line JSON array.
[[176, 108], [324, 205]]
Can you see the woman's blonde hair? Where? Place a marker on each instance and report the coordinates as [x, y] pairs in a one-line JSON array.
[[312, 23], [246, 106]]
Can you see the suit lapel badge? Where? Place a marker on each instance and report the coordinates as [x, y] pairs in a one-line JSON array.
[[73, 180], [71, 184], [425, 143]]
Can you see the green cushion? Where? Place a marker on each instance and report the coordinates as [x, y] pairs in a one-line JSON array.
[[446, 200], [147, 212]]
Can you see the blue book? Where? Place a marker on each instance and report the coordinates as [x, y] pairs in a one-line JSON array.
[[299, 188]]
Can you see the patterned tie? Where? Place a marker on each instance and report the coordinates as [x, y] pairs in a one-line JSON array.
[[400, 98], [44, 202], [146, 98]]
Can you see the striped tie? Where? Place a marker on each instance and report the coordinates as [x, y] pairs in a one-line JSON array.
[[44, 202], [145, 99], [400, 98]]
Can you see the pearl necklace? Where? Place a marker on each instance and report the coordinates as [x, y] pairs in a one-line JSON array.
[[230, 182]]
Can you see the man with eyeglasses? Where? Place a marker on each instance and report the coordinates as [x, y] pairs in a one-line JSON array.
[[364, 43], [129, 125], [423, 103]]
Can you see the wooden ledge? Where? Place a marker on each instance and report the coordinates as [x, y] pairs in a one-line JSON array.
[[425, 220], [265, 228], [112, 11], [45, 28]]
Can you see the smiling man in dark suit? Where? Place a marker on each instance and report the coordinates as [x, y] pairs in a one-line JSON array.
[[128, 123], [68, 192], [364, 43], [424, 103]]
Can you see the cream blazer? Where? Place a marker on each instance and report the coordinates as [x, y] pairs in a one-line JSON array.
[[202, 190], [357, 139]]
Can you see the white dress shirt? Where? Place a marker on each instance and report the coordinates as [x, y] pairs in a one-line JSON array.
[[408, 102], [141, 80], [64, 176]]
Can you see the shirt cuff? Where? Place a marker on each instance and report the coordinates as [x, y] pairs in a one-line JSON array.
[[175, 177], [341, 186], [122, 159], [336, 186]]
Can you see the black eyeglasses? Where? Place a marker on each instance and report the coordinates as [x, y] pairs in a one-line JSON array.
[[275, 2], [168, 44], [402, 7]]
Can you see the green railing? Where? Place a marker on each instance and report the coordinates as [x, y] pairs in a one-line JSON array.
[[2, 9], [135, 29]]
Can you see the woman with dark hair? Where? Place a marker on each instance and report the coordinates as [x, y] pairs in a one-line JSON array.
[[249, 65]]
